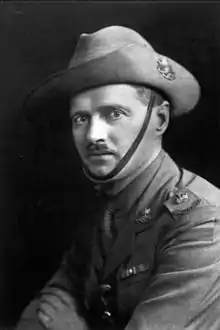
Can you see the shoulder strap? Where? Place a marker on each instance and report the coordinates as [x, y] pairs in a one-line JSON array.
[[181, 201]]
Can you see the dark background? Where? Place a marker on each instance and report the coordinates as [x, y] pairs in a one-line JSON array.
[[42, 189]]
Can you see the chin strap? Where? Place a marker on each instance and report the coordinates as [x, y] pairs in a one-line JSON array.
[[123, 162]]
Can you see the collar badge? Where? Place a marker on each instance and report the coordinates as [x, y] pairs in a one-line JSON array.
[[145, 216], [181, 197]]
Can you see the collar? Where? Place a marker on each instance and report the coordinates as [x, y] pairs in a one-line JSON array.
[[149, 182]]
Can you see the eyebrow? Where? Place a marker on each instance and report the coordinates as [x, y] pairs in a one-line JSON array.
[[114, 106], [100, 109], [77, 112]]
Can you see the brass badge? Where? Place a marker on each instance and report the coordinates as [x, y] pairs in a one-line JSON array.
[[165, 68], [146, 214], [181, 197]]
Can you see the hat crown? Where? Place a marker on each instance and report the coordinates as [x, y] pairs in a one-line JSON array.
[[103, 42]]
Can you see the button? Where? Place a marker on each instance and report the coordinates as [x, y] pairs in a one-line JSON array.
[[106, 314], [105, 287]]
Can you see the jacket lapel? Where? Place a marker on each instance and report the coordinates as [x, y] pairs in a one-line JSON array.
[[122, 248]]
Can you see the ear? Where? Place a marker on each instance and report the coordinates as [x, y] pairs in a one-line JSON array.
[[163, 115]]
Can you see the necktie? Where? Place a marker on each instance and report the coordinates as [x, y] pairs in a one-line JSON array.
[[109, 227]]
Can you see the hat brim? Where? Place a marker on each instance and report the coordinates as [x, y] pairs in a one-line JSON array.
[[133, 64]]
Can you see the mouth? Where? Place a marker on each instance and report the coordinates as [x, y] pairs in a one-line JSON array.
[[100, 155], [103, 154], [99, 152]]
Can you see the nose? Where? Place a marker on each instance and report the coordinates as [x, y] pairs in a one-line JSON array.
[[97, 130]]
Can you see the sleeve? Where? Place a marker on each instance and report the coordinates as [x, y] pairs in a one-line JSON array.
[[69, 277], [184, 291], [29, 319]]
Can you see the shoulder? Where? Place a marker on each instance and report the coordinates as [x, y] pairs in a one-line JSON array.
[[205, 190], [197, 197], [181, 201]]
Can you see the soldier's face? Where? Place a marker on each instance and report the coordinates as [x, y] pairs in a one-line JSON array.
[[105, 122]]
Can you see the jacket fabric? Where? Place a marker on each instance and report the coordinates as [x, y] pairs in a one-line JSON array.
[[159, 268]]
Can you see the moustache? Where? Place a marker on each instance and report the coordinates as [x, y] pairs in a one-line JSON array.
[[98, 148]]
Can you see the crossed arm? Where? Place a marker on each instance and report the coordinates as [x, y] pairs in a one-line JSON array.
[[183, 294], [54, 308]]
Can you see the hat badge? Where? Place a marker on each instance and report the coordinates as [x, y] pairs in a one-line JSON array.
[[165, 68]]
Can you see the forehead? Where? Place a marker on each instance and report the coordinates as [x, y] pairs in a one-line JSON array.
[[121, 94]]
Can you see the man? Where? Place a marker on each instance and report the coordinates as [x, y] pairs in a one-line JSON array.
[[149, 259]]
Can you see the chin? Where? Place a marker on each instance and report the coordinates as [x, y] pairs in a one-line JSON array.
[[100, 171]]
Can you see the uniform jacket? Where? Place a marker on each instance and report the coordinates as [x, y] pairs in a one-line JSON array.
[[161, 270]]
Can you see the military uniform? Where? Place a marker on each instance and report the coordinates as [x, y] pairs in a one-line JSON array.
[[159, 269], [152, 262]]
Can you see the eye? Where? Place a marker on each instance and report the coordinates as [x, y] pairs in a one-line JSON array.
[[115, 114], [80, 119]]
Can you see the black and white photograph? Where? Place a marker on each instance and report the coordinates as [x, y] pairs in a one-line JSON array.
[[110, 165]]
